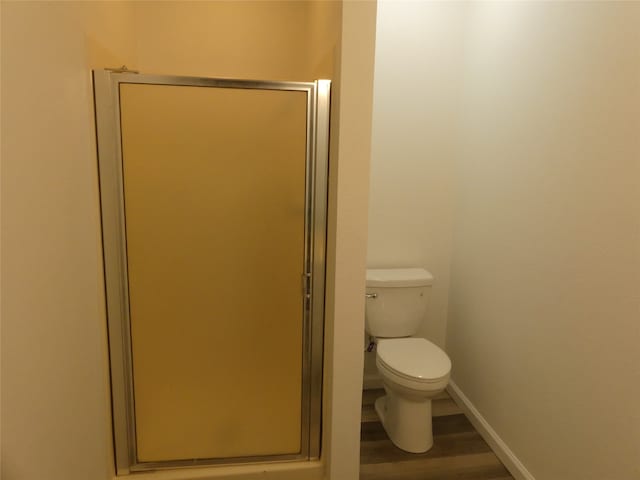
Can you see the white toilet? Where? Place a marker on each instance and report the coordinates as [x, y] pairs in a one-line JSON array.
[[413, 370]]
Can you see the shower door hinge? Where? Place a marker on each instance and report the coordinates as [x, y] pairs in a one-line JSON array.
[[122, 69]]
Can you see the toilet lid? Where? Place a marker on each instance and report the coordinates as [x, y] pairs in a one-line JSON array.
[[414, 357]]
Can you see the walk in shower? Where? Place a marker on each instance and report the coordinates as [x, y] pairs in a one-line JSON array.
[[213, 196]]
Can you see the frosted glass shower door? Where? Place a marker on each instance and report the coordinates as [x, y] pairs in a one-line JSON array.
[[214, 267], [214, 189]]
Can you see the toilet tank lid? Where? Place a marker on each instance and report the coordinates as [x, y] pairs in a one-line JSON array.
[[398, 277]]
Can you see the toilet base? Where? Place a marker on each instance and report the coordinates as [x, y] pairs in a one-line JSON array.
[[406, 421]]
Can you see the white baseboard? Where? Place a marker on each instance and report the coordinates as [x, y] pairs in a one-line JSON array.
[[504, 453]]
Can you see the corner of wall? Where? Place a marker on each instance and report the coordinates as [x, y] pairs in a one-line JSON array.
[[348, 203]]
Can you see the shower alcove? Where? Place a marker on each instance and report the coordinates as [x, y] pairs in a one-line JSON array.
[[213, 196]]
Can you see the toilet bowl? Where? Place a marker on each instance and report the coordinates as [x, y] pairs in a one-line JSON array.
[[413, 371]]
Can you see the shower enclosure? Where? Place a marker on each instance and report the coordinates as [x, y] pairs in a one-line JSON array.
[[213, 196]]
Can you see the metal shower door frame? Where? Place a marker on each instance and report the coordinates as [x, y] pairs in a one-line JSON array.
[[107, 111]]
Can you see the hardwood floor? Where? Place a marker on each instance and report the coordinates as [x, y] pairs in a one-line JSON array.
[[458, 453]]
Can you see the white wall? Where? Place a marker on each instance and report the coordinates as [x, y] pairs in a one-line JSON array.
[[545, 295], [347, 240], [515, 125], [416, 84]]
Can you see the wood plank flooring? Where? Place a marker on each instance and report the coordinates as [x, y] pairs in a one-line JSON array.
[[458, 453]]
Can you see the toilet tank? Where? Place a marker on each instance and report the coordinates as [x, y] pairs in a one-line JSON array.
[[397, 300]]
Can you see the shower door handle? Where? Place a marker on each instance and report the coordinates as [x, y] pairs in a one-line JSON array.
[[306, 285]]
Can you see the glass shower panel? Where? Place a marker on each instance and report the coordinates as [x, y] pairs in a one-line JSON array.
[[214, 201]]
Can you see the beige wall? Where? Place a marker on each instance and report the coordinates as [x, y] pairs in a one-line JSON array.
[[55, 417], [55, 404], [417, 76], [1, 242], [271, 40], [545, 294]]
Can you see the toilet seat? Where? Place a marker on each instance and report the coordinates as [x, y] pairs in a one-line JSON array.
[[414, 359]]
